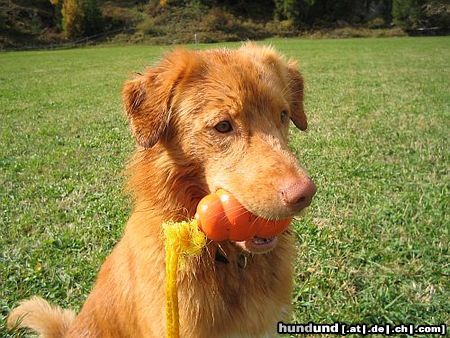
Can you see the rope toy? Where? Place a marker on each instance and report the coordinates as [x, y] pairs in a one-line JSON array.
[[182, 240]]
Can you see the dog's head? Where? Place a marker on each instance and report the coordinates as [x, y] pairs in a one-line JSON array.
[[227, 114]]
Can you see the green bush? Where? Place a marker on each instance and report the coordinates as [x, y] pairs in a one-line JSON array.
[[413, 14], [287, 9], [217, 19], [376, 23], [149, 27], [283, 28], [437, 13], [115, 17]]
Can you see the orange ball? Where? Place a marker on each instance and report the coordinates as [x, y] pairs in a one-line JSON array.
[[211, 218], [221, 217], [269, 229], [243, 222]]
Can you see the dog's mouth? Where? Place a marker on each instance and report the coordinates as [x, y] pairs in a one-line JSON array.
[[237, 215], [258, 245]]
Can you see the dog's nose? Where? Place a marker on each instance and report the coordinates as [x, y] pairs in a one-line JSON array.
[[298, 193]]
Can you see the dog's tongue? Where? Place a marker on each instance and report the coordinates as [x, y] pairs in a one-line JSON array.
[[258, 244], [261, 241]]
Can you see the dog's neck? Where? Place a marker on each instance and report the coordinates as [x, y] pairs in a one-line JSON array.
[[165, 186]]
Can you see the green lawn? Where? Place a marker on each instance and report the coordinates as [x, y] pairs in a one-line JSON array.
[[374, 247]]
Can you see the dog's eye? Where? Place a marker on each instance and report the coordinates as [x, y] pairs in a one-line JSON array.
[[284, 115], [223, 127]]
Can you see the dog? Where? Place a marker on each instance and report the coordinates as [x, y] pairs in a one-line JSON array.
[[202, 120]]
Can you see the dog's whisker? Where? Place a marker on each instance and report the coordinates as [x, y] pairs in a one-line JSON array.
[[222, 250]]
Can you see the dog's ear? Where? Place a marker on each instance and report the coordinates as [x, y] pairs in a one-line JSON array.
[[148, 98], [147, 123], [278, 64], [298, 115]]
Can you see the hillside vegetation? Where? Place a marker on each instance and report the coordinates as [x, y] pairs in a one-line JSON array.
[[44, 22]]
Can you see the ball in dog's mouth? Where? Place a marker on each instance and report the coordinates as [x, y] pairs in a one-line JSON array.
[[258, 244]]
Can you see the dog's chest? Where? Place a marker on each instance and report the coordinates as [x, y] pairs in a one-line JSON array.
[[271, 332], [240, 297]]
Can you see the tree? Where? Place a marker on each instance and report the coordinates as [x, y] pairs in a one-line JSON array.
[[72, 18], [57, 16], [294, 10], [287, 9], [93, 21], [406, 13]]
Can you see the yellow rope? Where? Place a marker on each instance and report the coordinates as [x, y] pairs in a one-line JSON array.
[[182, 240]]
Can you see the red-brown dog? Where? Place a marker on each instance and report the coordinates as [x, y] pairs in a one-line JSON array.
[[202, 120]]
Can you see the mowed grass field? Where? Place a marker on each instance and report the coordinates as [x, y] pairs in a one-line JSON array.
[[374, 246]]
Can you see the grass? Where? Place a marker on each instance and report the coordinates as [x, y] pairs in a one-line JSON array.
[[374, 247]]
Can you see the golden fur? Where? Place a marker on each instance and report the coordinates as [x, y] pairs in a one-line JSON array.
[[180, 157]]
